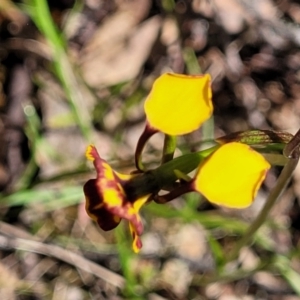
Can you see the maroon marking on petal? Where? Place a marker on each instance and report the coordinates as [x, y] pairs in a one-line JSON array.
[[103, 184], [134, 219], [139, 243], [105, 219], [111, 184], [137, 223], [101, 165], [98, 162], [137, 240], [97, 159]]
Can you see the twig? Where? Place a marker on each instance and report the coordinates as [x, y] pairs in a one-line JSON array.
[[31, 245]]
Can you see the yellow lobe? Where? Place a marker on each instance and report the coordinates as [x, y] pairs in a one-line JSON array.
[[179, 104], [124, 177], [136, 243], [113, 197], [89, 152], [134, 210], [232, 175], [139, 203], [108, 172]]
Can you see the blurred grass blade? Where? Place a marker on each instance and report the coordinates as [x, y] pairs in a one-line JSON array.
[[126, 256], [291, 276], [51, 199], [40, 14], [211, 220], [217, 251]]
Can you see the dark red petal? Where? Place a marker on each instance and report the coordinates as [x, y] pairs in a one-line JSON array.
[[96, 209]]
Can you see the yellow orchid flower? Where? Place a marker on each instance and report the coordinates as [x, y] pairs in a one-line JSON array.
[[228, 175], [179, 104], [231, 176]]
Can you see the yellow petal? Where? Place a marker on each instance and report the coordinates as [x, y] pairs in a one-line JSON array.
[[232, 175], [124, 177], [132, 214], [179, 104], [135, 223], [90, 153], [112, 196], [137, 243], [139, 203]]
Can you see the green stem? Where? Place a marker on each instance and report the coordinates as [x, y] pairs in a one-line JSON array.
[[275, 193], [169, 148], [154, 180], [191, 61], [167, 173]]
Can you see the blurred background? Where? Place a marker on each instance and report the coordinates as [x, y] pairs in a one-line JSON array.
[[77, 72]]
